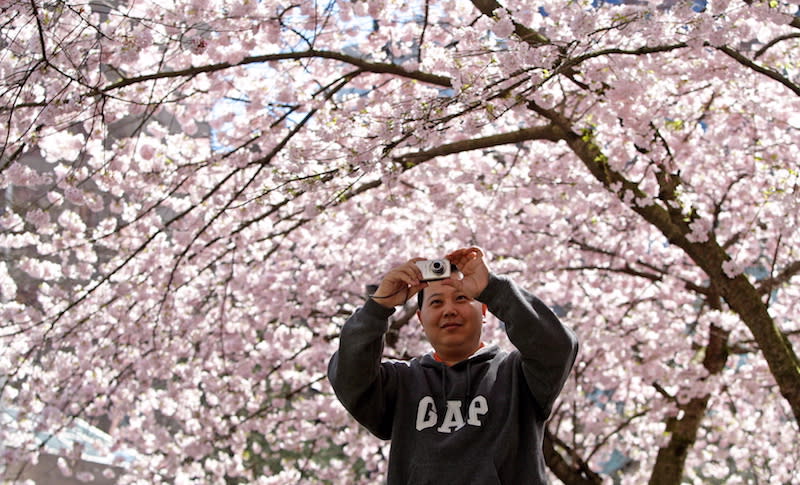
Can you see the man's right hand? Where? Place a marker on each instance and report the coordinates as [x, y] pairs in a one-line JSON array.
[[400, 284]]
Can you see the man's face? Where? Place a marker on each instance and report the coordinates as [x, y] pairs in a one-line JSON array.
[[451, 321]]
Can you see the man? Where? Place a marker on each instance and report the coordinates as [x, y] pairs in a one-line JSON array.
[[467, 413]]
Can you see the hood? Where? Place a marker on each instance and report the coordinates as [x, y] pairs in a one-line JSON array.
[[487, 352], [456, 381]]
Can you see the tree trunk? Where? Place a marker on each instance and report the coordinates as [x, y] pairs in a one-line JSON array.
[[671, 459]]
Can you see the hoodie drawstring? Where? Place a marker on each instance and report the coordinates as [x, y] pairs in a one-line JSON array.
[[444, 383], [469, 384]]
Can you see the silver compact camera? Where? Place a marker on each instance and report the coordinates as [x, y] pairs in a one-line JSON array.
[[434, 269]]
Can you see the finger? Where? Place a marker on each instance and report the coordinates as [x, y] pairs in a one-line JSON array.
[[465, 254], [413, 290], [456, 255], [403, 279], [409, 268], [415, 270], [473, 253], [461, 262]]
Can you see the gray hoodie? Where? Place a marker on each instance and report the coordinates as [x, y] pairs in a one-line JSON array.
[[480, 421]]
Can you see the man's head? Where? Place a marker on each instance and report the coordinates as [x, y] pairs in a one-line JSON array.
[[452, 321]]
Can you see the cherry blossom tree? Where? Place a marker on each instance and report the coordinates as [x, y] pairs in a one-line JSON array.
[[197, 194]]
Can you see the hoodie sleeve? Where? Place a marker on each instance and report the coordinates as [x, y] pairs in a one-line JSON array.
[[548, 348], [364, 386]]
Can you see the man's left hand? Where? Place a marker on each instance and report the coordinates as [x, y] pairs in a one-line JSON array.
[[474, 270]]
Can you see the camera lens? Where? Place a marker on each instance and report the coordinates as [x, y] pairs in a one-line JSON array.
[[437, 267]]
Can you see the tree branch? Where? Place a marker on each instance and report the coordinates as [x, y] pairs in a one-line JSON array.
[[773, 42], [760, 69], [768, 284], [546, 132], [364, 65], [411, 160], [573, 471], [487, 8]]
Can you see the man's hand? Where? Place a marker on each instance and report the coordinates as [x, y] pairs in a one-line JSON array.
[[473, 267], [400, 284]]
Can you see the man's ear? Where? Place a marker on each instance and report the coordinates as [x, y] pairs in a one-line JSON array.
[[483, 309]]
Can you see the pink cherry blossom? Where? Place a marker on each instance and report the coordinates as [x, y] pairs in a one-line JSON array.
[[196, 195]]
